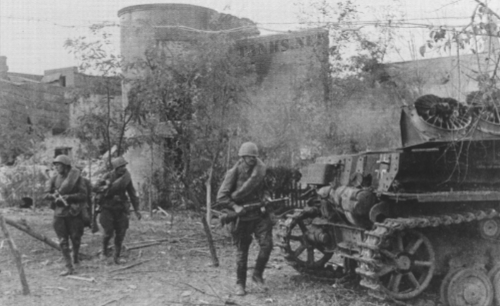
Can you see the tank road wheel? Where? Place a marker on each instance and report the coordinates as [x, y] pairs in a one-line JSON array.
[[494, 276], [443, 291], [302, 254], [408, 265], [490, 228], [467, 287]]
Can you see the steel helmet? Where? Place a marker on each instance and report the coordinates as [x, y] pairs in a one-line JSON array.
[[118, 162], [248, 149], [62, 159]]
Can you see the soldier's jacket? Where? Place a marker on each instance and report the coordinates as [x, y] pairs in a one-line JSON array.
[[73, 188], [243, 185], [114, 196]]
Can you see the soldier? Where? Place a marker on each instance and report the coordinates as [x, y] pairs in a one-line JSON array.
[[244, 184], [67, 192], [115, 206]]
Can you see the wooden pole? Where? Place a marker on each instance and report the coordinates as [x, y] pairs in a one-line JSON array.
[[30, 232], [150, 191], [206, 227], [17, 256], [211, 246], [209, 195]]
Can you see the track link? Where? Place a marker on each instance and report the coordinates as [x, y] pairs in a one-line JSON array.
[[369, 264]]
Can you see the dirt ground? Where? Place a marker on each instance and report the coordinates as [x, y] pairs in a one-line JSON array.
[[178, 271]]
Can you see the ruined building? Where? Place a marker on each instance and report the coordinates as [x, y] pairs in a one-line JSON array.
[[43, 106]]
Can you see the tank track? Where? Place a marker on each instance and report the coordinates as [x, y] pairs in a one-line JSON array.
[[326, 273], [368, 257]]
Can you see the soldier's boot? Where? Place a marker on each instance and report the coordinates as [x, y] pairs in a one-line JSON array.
[[116, 255], [76, 251], [240, 290], [260, 265], [241, 277], [69, 265]]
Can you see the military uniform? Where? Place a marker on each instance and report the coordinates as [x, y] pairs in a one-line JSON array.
[[244, 184], [67, 222], [115, 206]]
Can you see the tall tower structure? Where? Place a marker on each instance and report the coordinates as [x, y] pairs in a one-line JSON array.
[[168, 25]]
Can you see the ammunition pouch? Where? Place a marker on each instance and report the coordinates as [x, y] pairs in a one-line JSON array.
[[75, 209]]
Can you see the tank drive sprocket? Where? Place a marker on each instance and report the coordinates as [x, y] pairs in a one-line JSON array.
[[303, 255]]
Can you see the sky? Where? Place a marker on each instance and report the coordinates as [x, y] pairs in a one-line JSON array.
[[32, 32]]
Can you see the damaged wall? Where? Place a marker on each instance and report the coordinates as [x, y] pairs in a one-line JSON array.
[[47, 102], [291, 73], [44, 105]]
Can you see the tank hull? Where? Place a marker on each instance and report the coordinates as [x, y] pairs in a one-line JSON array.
[[401, 218]]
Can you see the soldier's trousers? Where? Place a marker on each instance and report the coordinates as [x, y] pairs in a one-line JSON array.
[[262, 230], [69, 228], [113, 222]]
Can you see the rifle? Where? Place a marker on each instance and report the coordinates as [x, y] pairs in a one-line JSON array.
[[96, 202], [227, 216], [58, 197]]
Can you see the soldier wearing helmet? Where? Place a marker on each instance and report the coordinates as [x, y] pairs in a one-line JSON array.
[[67, 193], [244, 184], [113, 189]]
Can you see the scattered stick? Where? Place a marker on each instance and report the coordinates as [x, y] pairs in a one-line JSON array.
[[87, 279], [58, 288], [17, 256], [199, 290], [113, 300], [143, 246], [148, 241], [109, 302], [163, 211], [131, 266], [142, 271], [197, 304]]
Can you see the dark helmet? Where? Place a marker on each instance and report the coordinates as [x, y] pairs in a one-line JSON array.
[[118, 162], [248, 149], [62, 159]]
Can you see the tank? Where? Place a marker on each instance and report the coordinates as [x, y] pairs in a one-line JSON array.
[[401, 219]]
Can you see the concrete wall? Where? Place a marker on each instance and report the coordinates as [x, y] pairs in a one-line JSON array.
[[53, 143], [291, 73], [69, 73], [45, 105]]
